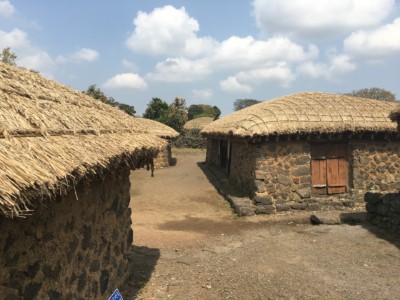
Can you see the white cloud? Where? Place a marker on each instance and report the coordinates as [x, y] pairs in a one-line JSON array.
[[232, 85], [375, 43], [180, 70], [341, 64], [248, 52], [280, 75], [126, 80], [338, 66], [169, 31], [6, 8], [202, 94], [40, 61], [311, 18], [16, 38], [81, 55], [28, 55], [129, 65], [85, 54]]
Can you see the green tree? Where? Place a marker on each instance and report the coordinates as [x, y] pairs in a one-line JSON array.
[[373, 93], [130, 110], [217, 112], [156, 109], [194, 110], [176, 115], [98, 94], [203, 110], [173, 115], [243, 103], [8, 57]]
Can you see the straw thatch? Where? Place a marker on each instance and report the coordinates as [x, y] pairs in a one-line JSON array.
[[51, 135], [157, 128], [305, 113], [198, 123]]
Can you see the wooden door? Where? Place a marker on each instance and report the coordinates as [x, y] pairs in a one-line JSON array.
[[336, 175], [329, 168], [318, 174]]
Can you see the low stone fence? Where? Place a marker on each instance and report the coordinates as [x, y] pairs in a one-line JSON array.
[[384, 210]]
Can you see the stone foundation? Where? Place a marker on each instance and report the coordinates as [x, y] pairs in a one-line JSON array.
[[73, 247], [384, 210]]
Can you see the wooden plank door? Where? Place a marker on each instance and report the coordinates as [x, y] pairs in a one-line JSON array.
[[318, 180], [336, 175], [329, 168]]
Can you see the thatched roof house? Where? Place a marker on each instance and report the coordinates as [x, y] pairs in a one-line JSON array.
[[65, 161], [164, 158], [198, 123], [287, 152]]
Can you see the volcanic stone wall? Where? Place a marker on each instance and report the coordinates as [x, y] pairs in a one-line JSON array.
[[74, 247], [282, 177], [384, 210], [277, 175], [376, 167]]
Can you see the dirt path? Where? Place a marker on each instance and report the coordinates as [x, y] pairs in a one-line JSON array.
[[188, 245]]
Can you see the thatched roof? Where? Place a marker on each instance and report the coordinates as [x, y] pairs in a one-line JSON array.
[[305, 113], [51, 135], [157, 128], [198, 123]]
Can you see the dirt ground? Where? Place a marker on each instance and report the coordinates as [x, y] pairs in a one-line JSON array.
[[189, 245]]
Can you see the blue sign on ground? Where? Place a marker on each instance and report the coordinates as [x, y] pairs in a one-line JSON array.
[[116, 295]]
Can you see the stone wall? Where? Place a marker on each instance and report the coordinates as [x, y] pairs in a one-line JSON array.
[[73, 247], [376, 167], [384, 210], [282, 177], [242, 166], [163, 158], [212, 152], [277, 175]]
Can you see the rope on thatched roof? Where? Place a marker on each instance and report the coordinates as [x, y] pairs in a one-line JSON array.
[[304, 113]]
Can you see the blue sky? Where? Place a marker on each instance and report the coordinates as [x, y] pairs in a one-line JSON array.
[[207, 51]]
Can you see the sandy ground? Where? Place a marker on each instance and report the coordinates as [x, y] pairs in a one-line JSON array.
[[189, 245]]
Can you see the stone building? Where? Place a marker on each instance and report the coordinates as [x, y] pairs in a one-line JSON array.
[[65, 160], [164, 157], [307, 151]]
